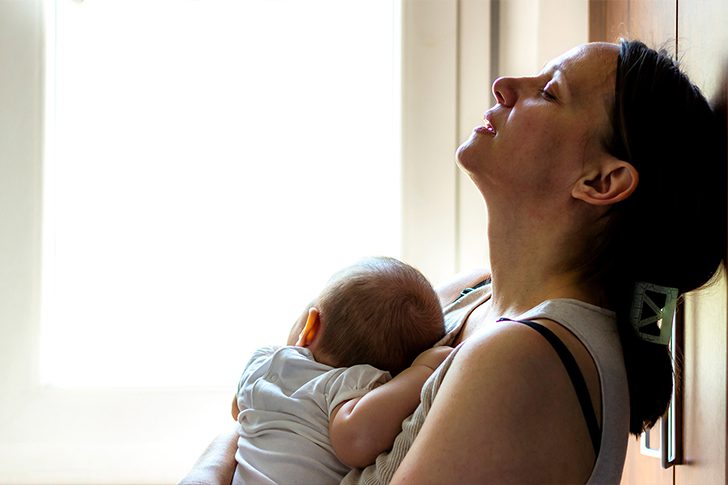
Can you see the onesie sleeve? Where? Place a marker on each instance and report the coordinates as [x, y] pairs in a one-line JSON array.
[[352, 382], [260, 356]]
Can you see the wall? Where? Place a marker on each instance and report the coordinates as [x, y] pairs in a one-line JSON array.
[[20, 164], [534, 31]]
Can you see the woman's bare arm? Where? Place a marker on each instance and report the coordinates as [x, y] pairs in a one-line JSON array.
[[506, 413], [216, 466]]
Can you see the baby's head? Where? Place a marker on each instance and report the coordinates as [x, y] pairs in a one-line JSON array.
[[378, 311]]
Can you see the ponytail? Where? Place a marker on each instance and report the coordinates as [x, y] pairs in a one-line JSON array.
[[672, 230]]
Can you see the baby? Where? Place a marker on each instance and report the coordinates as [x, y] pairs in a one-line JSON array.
[[305, 411]]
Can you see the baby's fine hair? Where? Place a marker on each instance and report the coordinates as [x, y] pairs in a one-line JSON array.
[[379, 311]]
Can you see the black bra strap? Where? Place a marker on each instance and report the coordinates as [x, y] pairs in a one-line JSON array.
[[577, 379], [475, 287]]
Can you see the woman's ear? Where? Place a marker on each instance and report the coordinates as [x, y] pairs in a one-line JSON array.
[[612, 181], [311, 329]]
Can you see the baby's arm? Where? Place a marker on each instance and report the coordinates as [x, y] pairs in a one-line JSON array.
[[362, 428]]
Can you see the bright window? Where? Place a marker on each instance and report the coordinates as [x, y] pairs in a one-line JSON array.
[[208, 165]]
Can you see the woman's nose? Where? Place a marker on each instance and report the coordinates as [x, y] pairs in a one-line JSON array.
[[504, 91]]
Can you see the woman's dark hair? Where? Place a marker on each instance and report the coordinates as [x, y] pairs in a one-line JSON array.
[[672, 230]]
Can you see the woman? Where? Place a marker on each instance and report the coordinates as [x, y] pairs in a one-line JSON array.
[[605, 170]]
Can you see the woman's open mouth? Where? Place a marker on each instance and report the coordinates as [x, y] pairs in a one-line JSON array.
[[487, 127]]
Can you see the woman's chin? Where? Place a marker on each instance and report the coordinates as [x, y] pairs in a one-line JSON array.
[[465, 157], [461, 152]]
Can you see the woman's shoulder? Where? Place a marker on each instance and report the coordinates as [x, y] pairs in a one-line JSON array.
[[504, 381], [504, 342], [504, 350]]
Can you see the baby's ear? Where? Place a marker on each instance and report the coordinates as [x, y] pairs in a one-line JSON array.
[[610, 182], [311, 329]]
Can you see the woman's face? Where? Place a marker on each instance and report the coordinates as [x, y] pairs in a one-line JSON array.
[[544, 129]]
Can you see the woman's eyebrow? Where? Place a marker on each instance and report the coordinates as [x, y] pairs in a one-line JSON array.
[[556, 70], [558, 78]]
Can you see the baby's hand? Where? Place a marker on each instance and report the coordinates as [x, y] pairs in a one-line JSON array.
[[433, 357]]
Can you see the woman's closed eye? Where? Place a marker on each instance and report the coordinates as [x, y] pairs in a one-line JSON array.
[[547, 95]]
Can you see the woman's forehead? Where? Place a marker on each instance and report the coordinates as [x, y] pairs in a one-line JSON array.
[[591, 52], [587, 68]]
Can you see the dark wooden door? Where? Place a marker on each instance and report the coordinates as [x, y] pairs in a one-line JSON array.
[[703, 53], [697, 31]]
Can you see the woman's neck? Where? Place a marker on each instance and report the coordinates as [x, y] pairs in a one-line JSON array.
[[529, 264]]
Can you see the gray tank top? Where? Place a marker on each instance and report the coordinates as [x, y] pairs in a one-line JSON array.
[[595, 327]]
